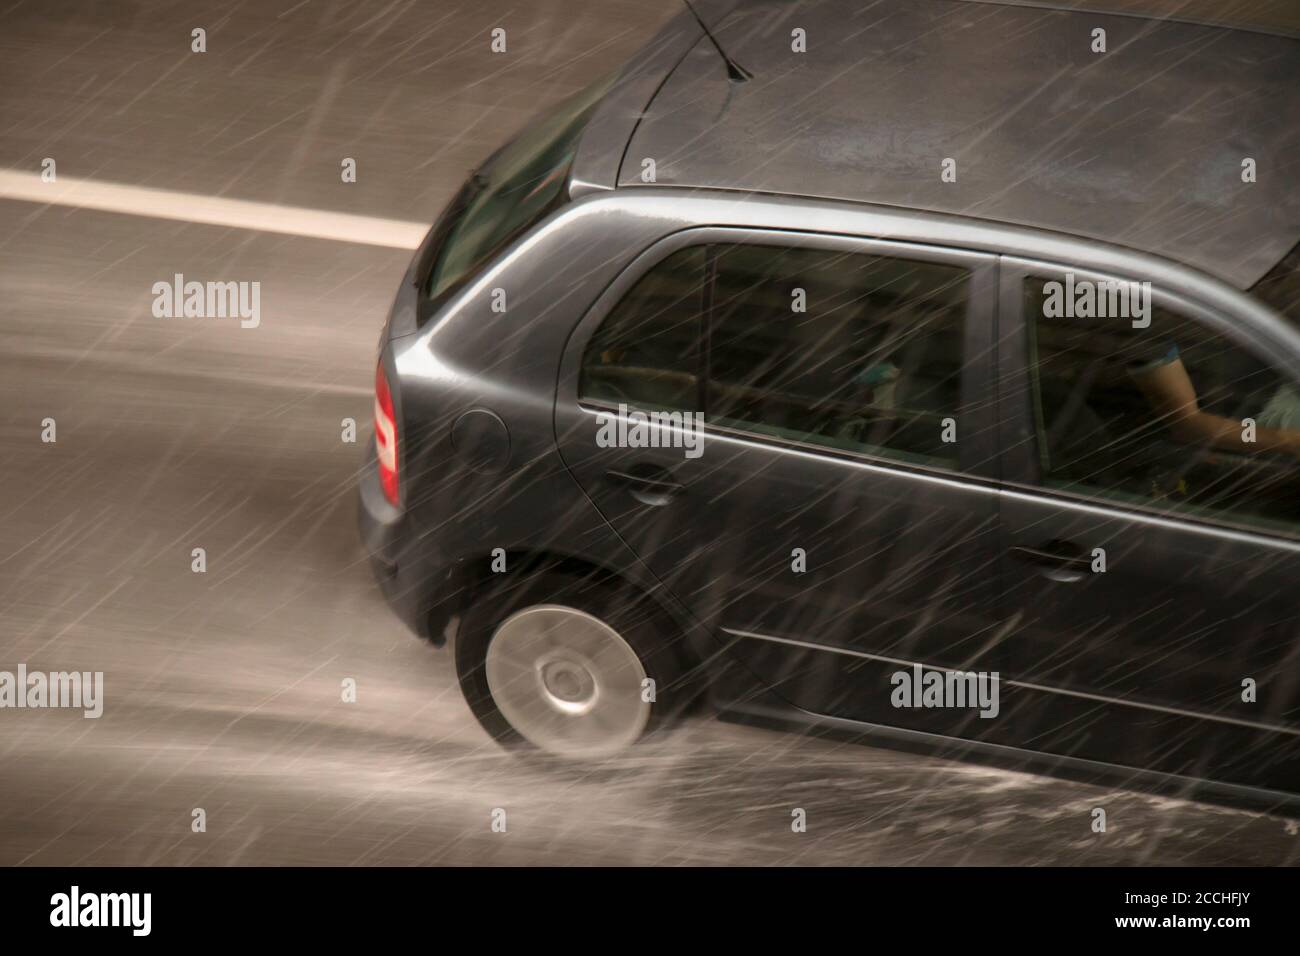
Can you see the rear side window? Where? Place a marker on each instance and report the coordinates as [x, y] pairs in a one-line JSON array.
[[518, 187], [1172, 416], [848, 351], [845, 350]]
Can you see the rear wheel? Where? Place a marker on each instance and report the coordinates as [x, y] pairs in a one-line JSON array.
[[574, 669]]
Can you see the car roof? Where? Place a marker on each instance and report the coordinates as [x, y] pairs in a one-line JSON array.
[[1141, 146]]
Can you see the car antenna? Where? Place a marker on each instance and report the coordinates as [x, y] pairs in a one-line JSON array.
[[735, 72]]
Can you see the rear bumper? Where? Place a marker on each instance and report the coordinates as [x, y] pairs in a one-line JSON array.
[[412, 575]]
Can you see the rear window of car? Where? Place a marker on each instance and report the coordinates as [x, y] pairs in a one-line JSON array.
[[513, 191]]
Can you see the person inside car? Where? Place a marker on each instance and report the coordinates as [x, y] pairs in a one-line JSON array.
[[1164, 382]]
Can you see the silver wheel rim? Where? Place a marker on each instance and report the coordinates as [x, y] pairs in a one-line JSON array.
[[566, 681]]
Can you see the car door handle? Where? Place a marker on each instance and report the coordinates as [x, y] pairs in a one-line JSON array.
[[1054, 562], [654, 488]]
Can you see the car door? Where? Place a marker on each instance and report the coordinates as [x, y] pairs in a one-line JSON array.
[[1151, 550], [837, 525]]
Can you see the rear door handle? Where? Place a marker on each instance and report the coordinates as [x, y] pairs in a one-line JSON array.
[[653, 488], [1056, 560]]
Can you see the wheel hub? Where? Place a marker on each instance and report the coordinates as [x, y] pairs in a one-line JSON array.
[[570, 684]]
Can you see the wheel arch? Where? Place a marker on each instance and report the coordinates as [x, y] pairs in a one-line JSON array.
[[473, 575]]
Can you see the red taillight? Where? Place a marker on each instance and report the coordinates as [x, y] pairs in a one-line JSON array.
[[385, 436]]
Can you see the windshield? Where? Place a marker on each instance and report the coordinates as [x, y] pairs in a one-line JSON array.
[[513, 191]]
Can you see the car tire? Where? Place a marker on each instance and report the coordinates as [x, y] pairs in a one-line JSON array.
[[558, 663]]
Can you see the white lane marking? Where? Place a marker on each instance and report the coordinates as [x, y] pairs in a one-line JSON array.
[[211, 210], [148, 365]]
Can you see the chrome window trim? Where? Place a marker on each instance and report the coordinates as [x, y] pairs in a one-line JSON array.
[[844, 456], [678, 209]]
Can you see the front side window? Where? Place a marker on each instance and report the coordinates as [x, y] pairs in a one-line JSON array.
[[1171, 415]]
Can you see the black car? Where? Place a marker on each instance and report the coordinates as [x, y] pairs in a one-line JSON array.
[[922, 369]]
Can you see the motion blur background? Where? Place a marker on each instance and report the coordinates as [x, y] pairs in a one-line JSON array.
[[223, 688]]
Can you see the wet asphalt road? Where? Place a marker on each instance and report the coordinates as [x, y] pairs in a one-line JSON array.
[[223, 688]]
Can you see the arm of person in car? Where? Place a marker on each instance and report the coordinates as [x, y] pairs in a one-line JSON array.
[[1172, 396]]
